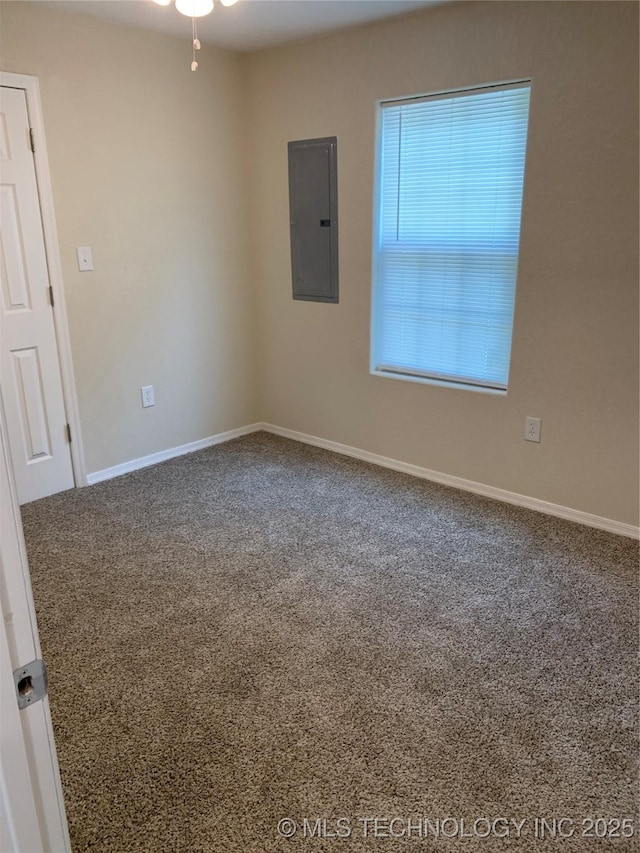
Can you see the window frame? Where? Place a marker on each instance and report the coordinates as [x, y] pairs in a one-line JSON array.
[[425, 377]]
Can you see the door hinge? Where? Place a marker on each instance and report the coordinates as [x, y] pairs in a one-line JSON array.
[[68, 428], [51, 300], [31, 683], [32, 139]]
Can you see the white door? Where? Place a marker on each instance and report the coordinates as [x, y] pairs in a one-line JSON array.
[[32, 817], [29, 369], [19, 829]]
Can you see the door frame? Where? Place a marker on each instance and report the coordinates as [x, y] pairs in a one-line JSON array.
[[31, 795], [31, 87]]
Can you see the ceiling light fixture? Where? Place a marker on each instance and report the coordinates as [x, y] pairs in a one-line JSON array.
[[194, 9]]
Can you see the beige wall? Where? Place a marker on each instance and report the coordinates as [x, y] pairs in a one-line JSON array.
[[189, 227], [575, 346], [147, 168]]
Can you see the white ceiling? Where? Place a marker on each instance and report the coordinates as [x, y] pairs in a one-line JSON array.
[[250, 24]]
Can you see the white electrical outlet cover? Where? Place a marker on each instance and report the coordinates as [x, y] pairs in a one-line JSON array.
[[148, 397], [532, 429]]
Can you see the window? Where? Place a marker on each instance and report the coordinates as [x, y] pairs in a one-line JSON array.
[[446, 234]]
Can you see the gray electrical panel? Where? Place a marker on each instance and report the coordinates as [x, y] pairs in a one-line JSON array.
[[313, 215]]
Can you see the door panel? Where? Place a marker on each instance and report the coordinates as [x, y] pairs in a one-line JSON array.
[[14, 276], [28, 381], [30, 370]]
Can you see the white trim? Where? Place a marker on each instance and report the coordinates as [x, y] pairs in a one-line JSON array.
[[21, 631], [31, 87], [455, 93], [433, 380], [546, 507], [503, 495], [171, 453]]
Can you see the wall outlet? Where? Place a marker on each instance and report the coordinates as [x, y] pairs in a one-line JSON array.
[[148, 398], [532, 429]]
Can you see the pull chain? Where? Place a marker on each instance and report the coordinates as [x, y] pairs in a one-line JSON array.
[[196, 44]]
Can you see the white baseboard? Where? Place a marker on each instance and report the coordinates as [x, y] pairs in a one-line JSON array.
[[546, 507], [171, 453], [459, 483]]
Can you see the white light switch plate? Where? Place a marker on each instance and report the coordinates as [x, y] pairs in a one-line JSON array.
[[85, 258]]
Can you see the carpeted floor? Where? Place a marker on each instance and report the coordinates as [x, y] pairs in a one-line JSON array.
[[264, 630]]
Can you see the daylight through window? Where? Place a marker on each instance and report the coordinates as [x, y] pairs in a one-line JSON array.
[[446, 234]]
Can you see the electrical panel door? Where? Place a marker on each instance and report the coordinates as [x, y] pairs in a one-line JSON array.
[[313, 213]]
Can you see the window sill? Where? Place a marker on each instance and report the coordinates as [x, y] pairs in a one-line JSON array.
[[443, 383]]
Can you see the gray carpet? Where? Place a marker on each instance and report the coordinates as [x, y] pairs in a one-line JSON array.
[[265, 630]]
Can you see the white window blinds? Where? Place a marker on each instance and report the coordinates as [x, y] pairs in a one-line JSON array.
[[451, 170]]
